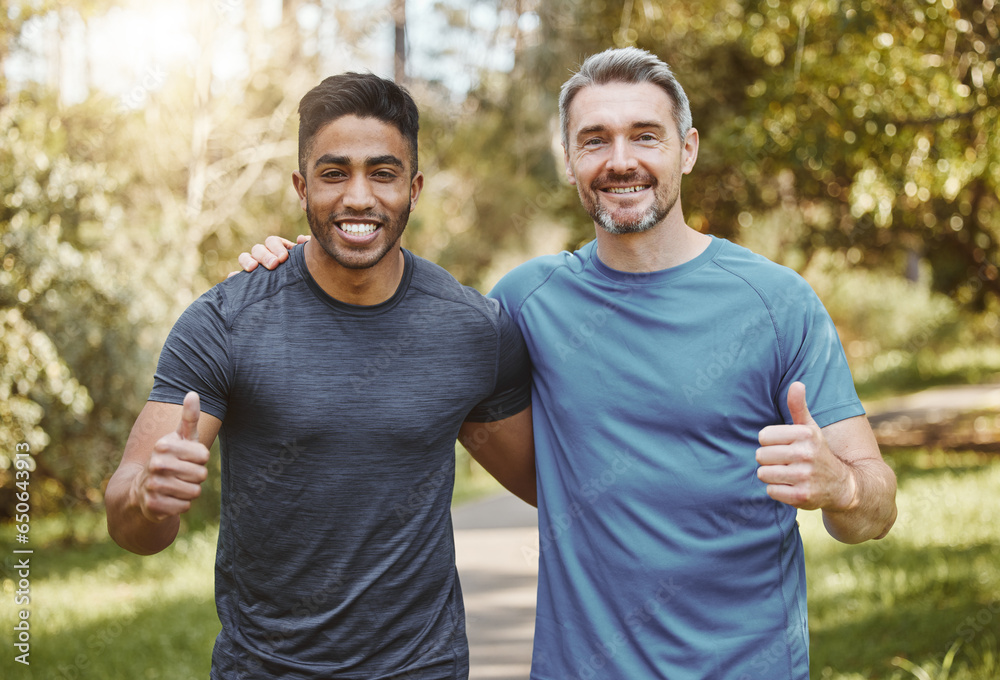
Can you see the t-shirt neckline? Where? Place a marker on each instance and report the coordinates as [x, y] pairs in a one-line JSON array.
[[299, 260], [658, 277]]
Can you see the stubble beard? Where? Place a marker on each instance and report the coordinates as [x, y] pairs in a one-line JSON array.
[[357, 258], [664, 200]]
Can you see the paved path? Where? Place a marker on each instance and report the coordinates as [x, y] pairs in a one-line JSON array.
[[496, 545], [496, 541]]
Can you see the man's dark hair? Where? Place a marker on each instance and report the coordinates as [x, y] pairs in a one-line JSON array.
[[364, 95]]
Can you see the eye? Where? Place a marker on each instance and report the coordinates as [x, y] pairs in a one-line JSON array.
[[593, 141], [647, 137], [385, 175], [332, 173]]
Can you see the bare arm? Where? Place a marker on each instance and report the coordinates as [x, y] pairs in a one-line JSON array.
[[160, 474], [506, 449], [838, 469]]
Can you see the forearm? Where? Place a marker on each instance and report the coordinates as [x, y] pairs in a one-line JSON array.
[[873, 510], [506, 450], [126, 524]]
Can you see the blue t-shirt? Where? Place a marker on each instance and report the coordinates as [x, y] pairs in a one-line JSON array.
[[336, 554], [661, 554]]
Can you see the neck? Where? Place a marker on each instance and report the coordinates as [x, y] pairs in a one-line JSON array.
[[669, 244], [369, 286]]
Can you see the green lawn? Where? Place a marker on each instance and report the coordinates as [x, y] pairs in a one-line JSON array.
[[891, 609], [895, 608]]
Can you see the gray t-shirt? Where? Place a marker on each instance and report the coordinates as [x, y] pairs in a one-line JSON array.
[[336, 551]]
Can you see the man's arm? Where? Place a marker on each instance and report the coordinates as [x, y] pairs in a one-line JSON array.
[[160, 474], [506, 449], [838, 469]]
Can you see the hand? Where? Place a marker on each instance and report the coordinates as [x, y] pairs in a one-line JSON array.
[[174, 472], [797, 464], [273, 252]]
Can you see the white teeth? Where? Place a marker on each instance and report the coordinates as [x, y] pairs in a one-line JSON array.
[[625, 190], [357, 229]]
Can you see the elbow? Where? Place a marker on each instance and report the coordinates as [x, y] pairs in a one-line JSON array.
[[887, 526]]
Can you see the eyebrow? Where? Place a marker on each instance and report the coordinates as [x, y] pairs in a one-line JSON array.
[[385, 159], [637, 125]]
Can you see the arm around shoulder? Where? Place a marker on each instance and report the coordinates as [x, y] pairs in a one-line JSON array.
[[506, 449], [160, 474]]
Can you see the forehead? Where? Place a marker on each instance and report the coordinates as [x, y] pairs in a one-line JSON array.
[[359, 138], [619, 105]]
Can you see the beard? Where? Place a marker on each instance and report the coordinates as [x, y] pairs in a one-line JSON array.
[[357, 257], [664, 199]]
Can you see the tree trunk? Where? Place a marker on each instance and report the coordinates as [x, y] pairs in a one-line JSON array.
[[399, 60]]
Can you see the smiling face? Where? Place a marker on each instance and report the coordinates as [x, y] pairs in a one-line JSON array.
[[357, 190], [625, 155]]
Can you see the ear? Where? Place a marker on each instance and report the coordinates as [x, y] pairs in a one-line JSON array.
[[299, 182], [689, 155], [416, 186], [569, 168]]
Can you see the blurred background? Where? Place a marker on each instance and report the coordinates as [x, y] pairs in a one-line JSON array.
[[144, 144]]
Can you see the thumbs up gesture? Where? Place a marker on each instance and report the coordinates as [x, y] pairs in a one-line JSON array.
[[797, 464], [174, 472]]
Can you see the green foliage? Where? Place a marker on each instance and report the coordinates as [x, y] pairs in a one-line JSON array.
[[114, 216], [872, 121], [73, 322]]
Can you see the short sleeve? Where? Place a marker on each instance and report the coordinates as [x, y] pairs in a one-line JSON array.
[[196, 357], [512, 393], [813, 354]]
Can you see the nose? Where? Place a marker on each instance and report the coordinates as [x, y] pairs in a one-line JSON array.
[[622, 160], [358, 195]]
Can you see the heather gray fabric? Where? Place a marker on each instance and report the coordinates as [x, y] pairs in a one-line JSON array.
[[336, 552]]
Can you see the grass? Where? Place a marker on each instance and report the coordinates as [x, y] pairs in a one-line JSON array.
[[923, 603], [897, 608]]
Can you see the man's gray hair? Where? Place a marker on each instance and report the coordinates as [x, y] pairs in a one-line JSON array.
[[625, 65]]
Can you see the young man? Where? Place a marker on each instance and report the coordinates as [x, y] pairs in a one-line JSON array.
[[673, 440], [337, 385]]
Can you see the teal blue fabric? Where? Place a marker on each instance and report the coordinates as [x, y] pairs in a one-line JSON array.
[[661, 555]]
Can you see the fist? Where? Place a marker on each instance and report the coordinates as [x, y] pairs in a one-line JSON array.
[[797, 464], [174, 472]]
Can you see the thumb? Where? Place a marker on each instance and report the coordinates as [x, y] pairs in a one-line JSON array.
[[797, 405], [191, 411]]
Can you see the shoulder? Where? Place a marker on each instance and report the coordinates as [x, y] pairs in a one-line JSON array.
[[245, 289], [772, 282], [436, 282], [525, 280]]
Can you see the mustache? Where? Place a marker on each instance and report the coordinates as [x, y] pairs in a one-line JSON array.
[[628, 178], [355, 215]]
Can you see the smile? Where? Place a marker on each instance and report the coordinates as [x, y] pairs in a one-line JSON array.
[[357, 228], [626, 190]]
